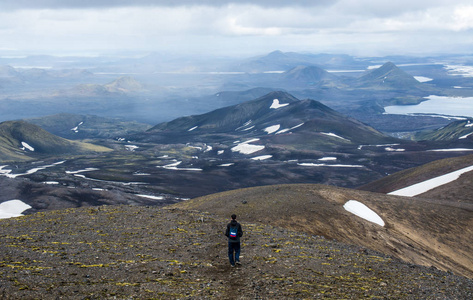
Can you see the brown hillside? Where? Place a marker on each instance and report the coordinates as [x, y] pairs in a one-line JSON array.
[[138, 252], [420, 231], [461, 190]]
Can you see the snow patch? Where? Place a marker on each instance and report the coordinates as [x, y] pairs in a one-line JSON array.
[[220, 152], [465, 136], [359, 209], [276, 105], [328, 158], [262, 157], [423, 79], [247, 148], [151, 197], [424, 186], [12, 208], [226, 165], [8, 174], [193, 128], [173, 166], [334, 135], [81, 171], [131, 148], [325, 165], [76, 129], [26, 146], [272, 129], [244, 125], [451, 150], [390, 149]]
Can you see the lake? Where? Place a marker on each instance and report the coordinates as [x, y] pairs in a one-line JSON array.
[[450, 106]]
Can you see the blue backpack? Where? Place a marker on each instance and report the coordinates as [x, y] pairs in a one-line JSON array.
[[233, 235]]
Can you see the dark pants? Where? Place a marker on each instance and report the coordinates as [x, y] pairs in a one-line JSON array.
[[234, 247]]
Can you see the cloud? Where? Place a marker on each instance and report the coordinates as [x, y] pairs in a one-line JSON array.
[[72, 4], [350, 26]]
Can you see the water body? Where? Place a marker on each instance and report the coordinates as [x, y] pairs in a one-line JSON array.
[[450, 106]]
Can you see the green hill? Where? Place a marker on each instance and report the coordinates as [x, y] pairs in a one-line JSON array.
[[20, 140]]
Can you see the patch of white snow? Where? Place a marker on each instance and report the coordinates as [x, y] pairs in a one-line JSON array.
[[272, 129], [151, 197], [226, 165], [424, 186], [276, 105], [451, 150], [390, 149], [26, 146], [12, 208], [325, 165], [193, 128], [359, 209], [131, 148], [81, 171], [247, 148], [328, 158], [173, 166], [423, 79], [334, 135], [262, 157], [465, 136]]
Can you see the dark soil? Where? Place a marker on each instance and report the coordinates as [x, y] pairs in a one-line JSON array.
[[137, 252]]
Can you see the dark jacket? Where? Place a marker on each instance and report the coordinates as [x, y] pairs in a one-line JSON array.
[[240, 231]]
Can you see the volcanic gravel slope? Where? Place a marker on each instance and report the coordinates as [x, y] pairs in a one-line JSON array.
[[137, 252]]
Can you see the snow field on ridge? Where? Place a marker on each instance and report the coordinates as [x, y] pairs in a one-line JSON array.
[[424, 186]]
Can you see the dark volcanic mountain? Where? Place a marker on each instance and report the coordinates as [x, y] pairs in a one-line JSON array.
[[309, 76], [23, 141], [388, 76], [278, 117]]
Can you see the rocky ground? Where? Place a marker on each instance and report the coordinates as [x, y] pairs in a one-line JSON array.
[[138, 252]]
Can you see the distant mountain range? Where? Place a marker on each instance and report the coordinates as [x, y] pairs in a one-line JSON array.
[[283, 61]]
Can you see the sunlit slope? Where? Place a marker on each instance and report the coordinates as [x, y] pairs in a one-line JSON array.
[[458, 190], [455, 131], [423, 232], [20, 140]]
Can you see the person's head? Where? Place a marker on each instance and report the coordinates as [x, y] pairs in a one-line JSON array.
[[233, 217]]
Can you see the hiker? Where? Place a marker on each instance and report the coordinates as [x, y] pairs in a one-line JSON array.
[[234, 232]]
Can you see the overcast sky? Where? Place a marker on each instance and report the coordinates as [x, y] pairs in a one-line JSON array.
[[243, 27]]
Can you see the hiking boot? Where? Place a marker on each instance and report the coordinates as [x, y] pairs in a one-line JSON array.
[[233, 266], [238, 263]]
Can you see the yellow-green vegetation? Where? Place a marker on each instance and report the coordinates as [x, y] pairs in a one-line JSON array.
[[14, 133], [128, 252]]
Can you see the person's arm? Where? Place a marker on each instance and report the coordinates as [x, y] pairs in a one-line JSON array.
[[227, 232], [240, 231]]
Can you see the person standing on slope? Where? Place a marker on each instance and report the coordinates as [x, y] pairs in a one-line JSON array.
[[234, 232]]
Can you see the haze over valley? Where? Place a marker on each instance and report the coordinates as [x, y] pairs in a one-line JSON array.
[[358, 159]]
